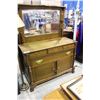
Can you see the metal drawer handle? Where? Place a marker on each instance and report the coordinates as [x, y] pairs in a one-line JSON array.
[[39, 61], [68, 52]]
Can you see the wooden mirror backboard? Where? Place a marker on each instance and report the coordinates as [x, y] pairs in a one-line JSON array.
[[41, 22]]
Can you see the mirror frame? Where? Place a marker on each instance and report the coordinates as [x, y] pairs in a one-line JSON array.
[[25, 39]]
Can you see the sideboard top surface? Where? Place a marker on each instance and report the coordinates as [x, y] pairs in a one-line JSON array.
[[44, 44]]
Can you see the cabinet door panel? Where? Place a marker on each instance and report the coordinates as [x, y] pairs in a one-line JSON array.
[[45, 71], [64, 64]]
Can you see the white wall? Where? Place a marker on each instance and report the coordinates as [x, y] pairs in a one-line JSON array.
[[42, 2]]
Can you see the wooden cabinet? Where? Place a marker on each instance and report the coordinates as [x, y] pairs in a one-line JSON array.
[[47, 56], [49, 63]]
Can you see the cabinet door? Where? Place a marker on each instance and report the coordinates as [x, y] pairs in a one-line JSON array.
[[64, 64], [45, 71]]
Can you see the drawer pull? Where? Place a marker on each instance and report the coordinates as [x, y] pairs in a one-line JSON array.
[[68, 52], [39, 61]]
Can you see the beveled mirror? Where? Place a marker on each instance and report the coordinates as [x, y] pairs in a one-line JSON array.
[[40, 21]]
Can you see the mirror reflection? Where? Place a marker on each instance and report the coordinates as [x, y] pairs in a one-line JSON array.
[[39, 22]]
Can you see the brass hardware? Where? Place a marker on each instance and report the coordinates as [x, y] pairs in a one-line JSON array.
[[68, 52], [39, 61]]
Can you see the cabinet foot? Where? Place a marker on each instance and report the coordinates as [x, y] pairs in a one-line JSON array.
[[73, 70], [31, 89]]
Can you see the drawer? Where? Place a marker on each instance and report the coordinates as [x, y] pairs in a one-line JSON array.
[[55, 50], [51, 58], [37, 54], [68, 47]]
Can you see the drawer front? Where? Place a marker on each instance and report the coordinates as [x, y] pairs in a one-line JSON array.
[[51, 58], [64, 64], [40, 54], [37, 54], [55, 50], [44, 71], [68, 47]]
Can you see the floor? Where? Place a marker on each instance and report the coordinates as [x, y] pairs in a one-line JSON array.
[[41, 90]]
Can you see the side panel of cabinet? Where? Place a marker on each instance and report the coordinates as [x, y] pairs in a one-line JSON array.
[[64, 64], [44, 71]]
